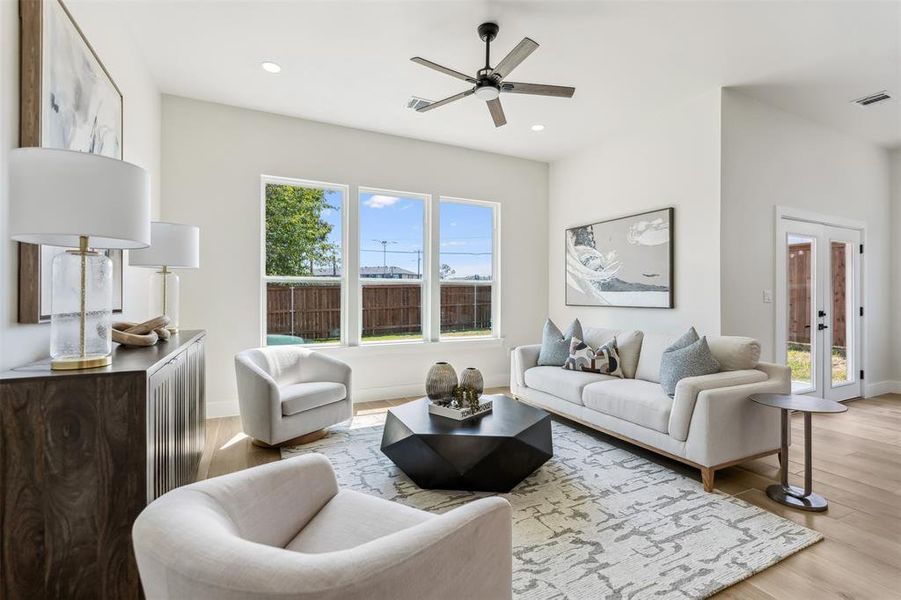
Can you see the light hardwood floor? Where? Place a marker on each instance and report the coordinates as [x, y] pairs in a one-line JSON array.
[[857, 466]]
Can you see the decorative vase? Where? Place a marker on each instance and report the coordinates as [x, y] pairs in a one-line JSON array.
[[440, 382], [472, 378]]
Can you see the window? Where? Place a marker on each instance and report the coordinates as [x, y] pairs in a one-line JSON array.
[[384, 267], [392, 261], [466, 258], [303, 271]]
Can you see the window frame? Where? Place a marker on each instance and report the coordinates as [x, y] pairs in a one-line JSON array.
[[422, 280], [495, 280], [342, 280], [430, 281]]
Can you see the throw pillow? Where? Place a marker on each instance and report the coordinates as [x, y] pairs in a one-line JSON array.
[[555, 345], [580, 356], [606, 360], [689, 361]]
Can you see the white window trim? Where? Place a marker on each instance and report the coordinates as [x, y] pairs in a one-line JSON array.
[[352, 305], [494, 282], [422, 280], [342, 280]]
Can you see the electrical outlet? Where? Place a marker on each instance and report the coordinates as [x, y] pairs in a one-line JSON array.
[[767, 296]]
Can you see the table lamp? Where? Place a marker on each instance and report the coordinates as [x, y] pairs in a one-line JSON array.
[[86, 201], [172, 245]]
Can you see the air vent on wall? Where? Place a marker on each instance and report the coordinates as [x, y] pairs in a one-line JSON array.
[[415, 103], [872, 98]]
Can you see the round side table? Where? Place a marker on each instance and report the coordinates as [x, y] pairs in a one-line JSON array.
[[784, 493]]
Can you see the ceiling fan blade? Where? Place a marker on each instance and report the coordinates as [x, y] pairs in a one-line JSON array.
[[440, 69], [538, 89], [445, 101], [522, 50], [497, 112]]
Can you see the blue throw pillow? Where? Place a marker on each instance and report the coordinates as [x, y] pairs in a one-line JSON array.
[[555, 345], [687, 361]]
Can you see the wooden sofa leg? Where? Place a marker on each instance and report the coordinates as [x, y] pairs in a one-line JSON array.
[[707, 478]]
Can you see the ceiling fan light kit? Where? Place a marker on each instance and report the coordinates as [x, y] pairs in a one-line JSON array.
[[489, 82]]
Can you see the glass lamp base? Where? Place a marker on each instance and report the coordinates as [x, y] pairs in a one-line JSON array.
[[80, 362]]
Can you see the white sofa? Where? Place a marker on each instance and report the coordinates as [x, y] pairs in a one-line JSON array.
[[710, 423], [285, 530]]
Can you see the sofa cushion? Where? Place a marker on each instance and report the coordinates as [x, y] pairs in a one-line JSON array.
[[555, 345], [734, 352], [628, 345], [634, 400], [301, 397], [567, 385], [692, 360], [351, 519], [652, 347]]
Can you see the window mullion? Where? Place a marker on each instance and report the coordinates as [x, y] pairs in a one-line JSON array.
[[353, 312], [432, 276]]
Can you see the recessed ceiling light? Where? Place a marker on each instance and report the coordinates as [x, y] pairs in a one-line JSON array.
[[270, 66], [537, 127]]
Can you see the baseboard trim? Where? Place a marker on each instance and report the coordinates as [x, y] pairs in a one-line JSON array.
[[882, 387], [215, 410]]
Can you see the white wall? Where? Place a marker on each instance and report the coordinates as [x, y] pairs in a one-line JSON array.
[[24, 343], [213, 156], [773, 158], [670, 159], [896, 267]]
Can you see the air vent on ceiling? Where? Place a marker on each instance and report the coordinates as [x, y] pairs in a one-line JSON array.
[[415, 103], [872, 98]]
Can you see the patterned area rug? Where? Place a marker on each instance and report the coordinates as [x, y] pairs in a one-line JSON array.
[[596, 521]]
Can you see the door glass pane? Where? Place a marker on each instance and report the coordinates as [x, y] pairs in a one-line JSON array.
[[841, 297], [800, 297]]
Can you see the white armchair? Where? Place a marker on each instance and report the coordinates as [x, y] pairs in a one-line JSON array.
[[284, 530], [286, 391]]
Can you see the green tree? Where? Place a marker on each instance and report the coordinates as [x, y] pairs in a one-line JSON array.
[[296, 234]]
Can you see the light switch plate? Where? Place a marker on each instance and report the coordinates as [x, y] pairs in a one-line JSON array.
[[768, 296]]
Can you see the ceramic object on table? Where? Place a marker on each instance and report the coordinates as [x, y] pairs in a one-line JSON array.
[[472, 378], [440, 382]]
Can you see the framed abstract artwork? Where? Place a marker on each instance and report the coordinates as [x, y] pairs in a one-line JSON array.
[[67, 100], [625, 262]]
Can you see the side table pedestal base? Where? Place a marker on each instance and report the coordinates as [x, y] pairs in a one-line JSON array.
[[812, 502]]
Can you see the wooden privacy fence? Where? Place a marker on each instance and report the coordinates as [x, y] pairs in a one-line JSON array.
[[799, 282], [313, 311]]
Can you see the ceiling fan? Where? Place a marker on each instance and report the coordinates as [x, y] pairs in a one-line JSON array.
[[489, 83]]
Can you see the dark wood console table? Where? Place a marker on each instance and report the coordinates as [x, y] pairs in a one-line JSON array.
[[82, 453]]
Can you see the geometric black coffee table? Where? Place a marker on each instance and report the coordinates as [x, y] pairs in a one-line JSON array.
[[486, 454], [783, 492]]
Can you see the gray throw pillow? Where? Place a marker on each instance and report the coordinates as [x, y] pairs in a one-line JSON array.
[[688, 361], [555, 345]]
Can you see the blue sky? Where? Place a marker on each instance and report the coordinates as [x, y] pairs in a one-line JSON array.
[[465, 232]]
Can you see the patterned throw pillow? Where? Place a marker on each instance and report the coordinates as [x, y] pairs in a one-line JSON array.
[[555, 345], [687, 361], [580, 356], [606, 360]]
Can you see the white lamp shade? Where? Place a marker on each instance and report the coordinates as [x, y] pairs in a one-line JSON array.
[[171, 245], [58, 195]]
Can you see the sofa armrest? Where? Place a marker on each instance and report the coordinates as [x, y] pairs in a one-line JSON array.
[[687, 391], [522, 359], [727, 426], [257, 398]]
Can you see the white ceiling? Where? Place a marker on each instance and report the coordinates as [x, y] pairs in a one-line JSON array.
[[348, 62]]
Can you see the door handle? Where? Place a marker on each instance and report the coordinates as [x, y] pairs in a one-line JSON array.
[[821, 313], [821, 327]]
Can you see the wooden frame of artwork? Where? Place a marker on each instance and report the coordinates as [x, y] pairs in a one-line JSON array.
[[631, 266], [34, 100]]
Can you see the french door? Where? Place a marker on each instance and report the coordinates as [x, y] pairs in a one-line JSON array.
[[820, 318]]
